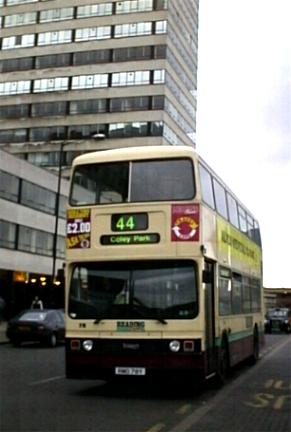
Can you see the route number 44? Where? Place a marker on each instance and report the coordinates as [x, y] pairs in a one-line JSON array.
[[125, 223]]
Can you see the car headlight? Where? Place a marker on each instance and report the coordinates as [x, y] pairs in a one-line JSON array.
[[174, 346], [87, 345]]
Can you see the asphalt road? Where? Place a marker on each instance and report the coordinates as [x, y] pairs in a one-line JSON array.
[[35, 396]]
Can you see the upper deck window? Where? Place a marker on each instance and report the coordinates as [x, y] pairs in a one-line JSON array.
[[137, 181]]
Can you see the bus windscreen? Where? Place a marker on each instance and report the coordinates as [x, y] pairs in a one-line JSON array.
[[134, 290]]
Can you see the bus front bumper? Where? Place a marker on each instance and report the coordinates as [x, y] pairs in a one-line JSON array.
[[109, 358]]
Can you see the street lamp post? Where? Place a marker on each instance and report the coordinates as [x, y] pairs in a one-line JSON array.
[[57, 208]]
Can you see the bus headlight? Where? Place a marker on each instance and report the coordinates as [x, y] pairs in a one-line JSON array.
[[88, 345], [174, 346]]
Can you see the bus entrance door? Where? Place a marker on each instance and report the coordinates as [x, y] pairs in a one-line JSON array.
[[208, 279]]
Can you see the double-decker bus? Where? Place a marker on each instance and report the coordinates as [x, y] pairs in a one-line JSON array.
[[163, 267]]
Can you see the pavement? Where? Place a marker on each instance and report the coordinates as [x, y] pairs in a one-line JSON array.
[[3, 326]]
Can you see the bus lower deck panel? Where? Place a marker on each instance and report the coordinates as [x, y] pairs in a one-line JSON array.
[[151, 359]]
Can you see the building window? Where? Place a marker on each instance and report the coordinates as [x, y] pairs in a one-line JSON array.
[[56, 37], [14, 87], [161, 27], [89, 81], [9, 186], [94, 10], [20, 41], [130, 104], [157, 128], [123, 130], [13, 135], [133, 6], [132, 53], [133, 29], [51, 84], [18, 64], [20, 19], [46, 159], [88, 106], [7, 235], [48, 133], [158, 102], [56, 14], [93, 33], [35, 241], [84, 132], [17, 2], [47, 109], [160, 52], [63, 206], [161, 4], [14, 111], [91, 57], [38, 197], [53, 60], [130, 78], [159, 76]]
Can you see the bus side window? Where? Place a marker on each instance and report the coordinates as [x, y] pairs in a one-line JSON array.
[[206, 187]]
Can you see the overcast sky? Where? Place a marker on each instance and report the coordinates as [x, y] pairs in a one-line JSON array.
[[244, 115]]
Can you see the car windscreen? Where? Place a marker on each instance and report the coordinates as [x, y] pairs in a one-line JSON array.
[[136, 181], [33, 316]]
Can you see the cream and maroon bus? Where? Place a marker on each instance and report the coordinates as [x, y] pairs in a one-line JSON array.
[[163, 268]]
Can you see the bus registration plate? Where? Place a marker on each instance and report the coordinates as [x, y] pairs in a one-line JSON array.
[[130, 371]]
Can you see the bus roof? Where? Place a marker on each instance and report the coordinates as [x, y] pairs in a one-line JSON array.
[[134, 153]]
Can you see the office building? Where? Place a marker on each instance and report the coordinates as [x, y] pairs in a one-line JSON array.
[[32, 246], [91, 75]]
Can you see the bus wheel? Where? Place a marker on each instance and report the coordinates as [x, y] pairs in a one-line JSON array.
[[222, 363], [256, 347]]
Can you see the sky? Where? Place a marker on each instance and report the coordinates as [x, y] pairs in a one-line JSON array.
[[244, 115]]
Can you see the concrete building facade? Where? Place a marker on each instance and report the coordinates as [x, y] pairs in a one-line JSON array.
[[91, 74], [27, 232]]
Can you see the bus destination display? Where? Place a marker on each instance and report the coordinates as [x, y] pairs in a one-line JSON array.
[[129, 222], [129, 239]]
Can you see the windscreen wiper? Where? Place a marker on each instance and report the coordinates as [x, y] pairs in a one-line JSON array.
[[161, 319], [157, 316], [97, 320]]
